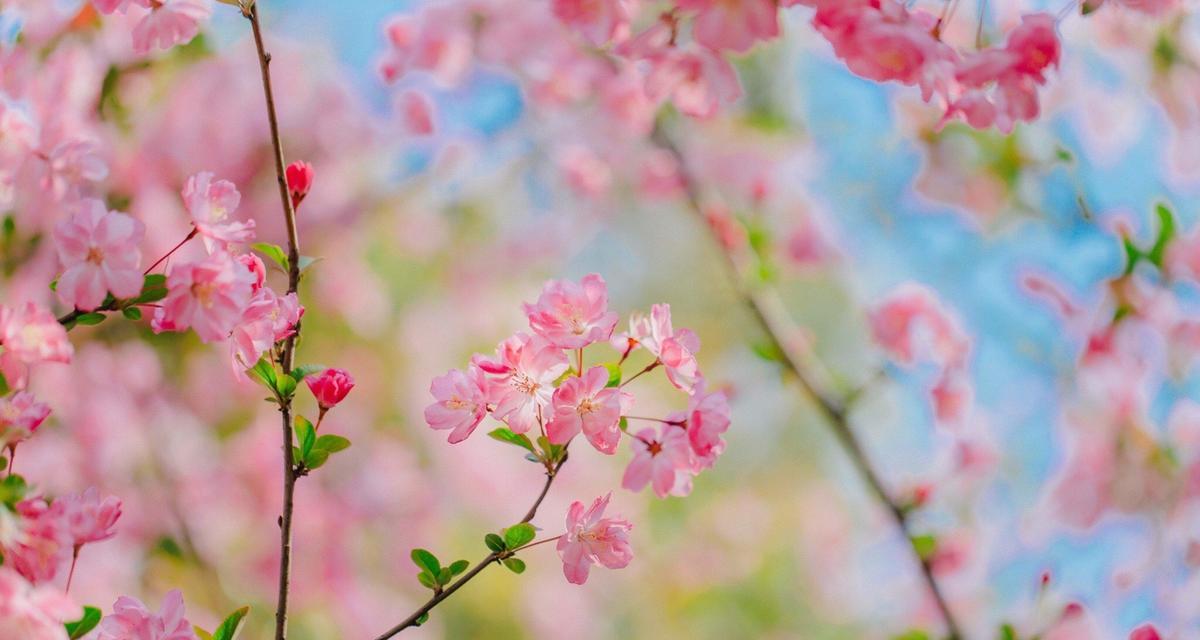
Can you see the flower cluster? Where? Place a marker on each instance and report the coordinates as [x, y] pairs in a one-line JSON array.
[[163, 23], [539, 387]]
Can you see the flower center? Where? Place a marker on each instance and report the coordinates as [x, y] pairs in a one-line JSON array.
[[95, 256], [523, 383], [654, 448], [203, 291], [586, 406]]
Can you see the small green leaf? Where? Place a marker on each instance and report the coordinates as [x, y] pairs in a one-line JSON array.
[[3, 385], [306, 436], [12, 490], [614, 374], [915, 634], [316, 458], [426, 580], [332, 443], [444, 576], [264, 372], [553, 451], [274, 252], [1007, 632], [519, 535], [303, 371], [89, 319], [924, 545], [154, 288], [623, 424], [132, 313], [79, 628], [504, 434], [422, 620], [285, 386], [516, 565], [494, 542], [1166, 233], [201, 633], [232, 625], [427, 561], [459, 566]]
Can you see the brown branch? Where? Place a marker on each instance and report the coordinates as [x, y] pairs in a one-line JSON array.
[[832, 409], [288, 354], [495, 556]]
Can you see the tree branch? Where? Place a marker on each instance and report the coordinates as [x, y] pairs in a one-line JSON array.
[[287, 356], [495, 556], [833, 410]]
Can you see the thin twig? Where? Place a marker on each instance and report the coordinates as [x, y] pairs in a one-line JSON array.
[[833, 410], [495, 556], [287, 356]]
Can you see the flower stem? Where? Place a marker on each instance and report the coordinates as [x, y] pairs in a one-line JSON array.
[[171, 252]]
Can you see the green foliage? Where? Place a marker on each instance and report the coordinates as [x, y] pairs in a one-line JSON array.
[[132, 313], [89, 319], [1157, 252], [433, 575], [274, 252], [303, 371], [1007, 632], [494, 542], [516, 565], [614, 374], [924, 545], [232, 626], [79, 628], [12, 490], [311, 451], [154, 288], [519, 535], [504, 434]]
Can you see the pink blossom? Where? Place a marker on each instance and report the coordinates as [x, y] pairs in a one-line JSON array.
[[39, 549], [707, 418], [87, 517], [733, 25], [596, 20], [665, 462], [461, 403], [33, 613], [300, 177], [587, 404], [416, 113], [20, 415], [676, 350], [521, 379], [268, 319], [572, 316], [699, 82], [1145, 632], [209, 296], [100, 255], [593, 539], [169, 22], [30, 334], [912, 319], [131, 620], [1035, 45], [330, 387], [210, 203]]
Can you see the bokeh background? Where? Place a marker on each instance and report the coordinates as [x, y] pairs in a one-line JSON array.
[[430, 244]]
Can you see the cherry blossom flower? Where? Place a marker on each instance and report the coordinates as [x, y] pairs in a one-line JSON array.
[[20, 415], [268, 319], [88, 518], [131, 619], [30, 334], [210, 203], [209, 296], [330, 387], [676, 350], [99, 252], [593, 539], [585, 403], [39, 548], [699, 82], [572, 316], [169, 22], [521, 379], [732, 25], [664, 461], [461, 403], [596, 20], [300, 176], [33, 613], [707, 418]]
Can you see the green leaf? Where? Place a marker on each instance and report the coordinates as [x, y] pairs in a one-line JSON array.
[[285, 386], [504, 434], [459, 566], [1007, 632], [232, 625], [516, 565], [3, 385], [154, 288], [332, 443], [201, 633], [316, 458], [427, 561], [274, 252], [264, 371], [614, 374], [426, 580], [422, 620], [519, 535], [303, 371], [915, 634], [306, 436], [12, 489], [444, 576], [132, 313], [1166, 233], [553, 451], [924, 545], [494, 542], [623, 424], [77, 629], [89, 319]]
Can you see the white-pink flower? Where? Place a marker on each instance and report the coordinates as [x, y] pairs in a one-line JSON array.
[[676, 350], [87, 517], [210, 202], [209, 296], [131, 620], [268, 318], [169, 22], [100, 254], [587, 404], [30, 334], [461, 401], [707, 418], [664, 461], [20, 415], [33, 613], [733, 26], [593, 539], [573, 315], [521, 379]]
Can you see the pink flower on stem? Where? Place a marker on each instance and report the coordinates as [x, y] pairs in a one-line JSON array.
[[587, 404], [596, 20], [87, 517], [30, 334], [733, 25], [664, 461], [330, 387], [698, 82], [99, 252], [707, 418], [169, 22], [38, 550], [268, 319], [521, 379], [300, 177], [675, 350], [20, 415], [210, 203], [131, 620], [209, 296], [572, 316], [33, 613], [461, 402], [593, 539]]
